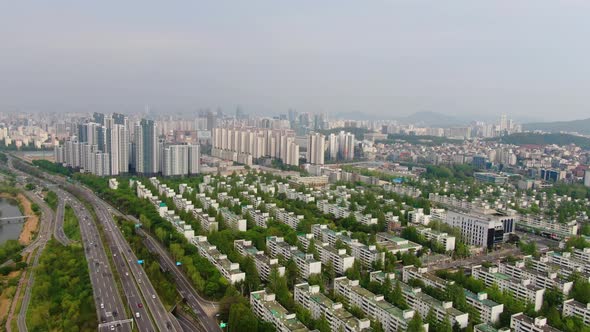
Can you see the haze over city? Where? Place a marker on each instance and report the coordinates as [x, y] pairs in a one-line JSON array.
[[381, 59], [295, 166]]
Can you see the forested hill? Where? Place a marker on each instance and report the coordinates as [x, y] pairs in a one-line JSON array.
[[544, 139]]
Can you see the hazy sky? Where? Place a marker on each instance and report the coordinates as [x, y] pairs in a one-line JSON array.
[[528, 58]]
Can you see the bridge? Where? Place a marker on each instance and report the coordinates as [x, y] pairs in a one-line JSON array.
[[13, 220]]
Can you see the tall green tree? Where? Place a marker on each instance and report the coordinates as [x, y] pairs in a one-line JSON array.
[[416, 324], [242, 319]]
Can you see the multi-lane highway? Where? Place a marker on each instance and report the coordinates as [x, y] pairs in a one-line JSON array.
[[109, 306], [39, 244], [196, 302], [164, 320], [58, 230]]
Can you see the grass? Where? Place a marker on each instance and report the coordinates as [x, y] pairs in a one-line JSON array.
[[71, 224]]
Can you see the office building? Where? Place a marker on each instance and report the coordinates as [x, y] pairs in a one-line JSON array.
[[482, 230]]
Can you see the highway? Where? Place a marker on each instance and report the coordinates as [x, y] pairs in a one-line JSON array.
[[193, 300], [39, 243], [58, 230], [109, 305], [164, 320]]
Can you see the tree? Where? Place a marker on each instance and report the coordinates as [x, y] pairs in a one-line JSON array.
[[241, 319], [415, 324], [322, 325], [311, 249], [397, 296], [252, 278], [291, 272], [354, 272], [445, 325], [431, 320]]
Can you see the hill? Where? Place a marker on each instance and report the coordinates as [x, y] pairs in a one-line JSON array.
[[544, 139], [578, 126]]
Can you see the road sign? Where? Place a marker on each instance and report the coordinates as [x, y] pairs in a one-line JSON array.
[[178, 263], [140, 261]]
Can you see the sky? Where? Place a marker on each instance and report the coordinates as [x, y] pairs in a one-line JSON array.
[[467, 58]]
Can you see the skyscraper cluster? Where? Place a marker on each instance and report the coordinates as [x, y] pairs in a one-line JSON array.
[[105, 147], [245, 144], [100, 147], [341, 146]]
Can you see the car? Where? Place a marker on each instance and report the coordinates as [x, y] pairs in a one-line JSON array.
[[153, 296], [137, 315], [139, 305], [114, 255], [126, 274], [102, 305], [112, 327]]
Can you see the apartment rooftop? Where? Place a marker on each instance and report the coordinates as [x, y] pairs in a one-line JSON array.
[[384, 305], [487, 302], [281, 314]]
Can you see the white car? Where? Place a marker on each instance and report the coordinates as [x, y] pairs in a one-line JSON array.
[[153, 296], [102, 305], [137, 315]]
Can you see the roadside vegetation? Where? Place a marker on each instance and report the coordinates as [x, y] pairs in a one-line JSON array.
[[61, 299], [71, 224], [51, 199]]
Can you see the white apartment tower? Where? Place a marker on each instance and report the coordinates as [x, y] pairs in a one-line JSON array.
[[315, 149]]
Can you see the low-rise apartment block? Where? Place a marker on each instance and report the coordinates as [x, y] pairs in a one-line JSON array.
[[395, 244], [574, 308], [339, 258], [519, 270], [423, 303], [522, 289], [264, 264], [268, 309], [489, 311], [231, 271], [365, 254], [523, 323], [392, 318], [444, 239], [306, 264], [421, 273], [320, 305]]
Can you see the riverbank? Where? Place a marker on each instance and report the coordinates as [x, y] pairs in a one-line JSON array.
[[31, 224]]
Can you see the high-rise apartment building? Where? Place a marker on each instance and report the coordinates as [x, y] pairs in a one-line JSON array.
[[315, 148], [180, 160], [146, 146]]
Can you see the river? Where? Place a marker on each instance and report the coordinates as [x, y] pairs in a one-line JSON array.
[[9, 208]]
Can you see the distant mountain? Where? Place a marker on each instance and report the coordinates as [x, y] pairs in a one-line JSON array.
[[578, 126], [431, 119]]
